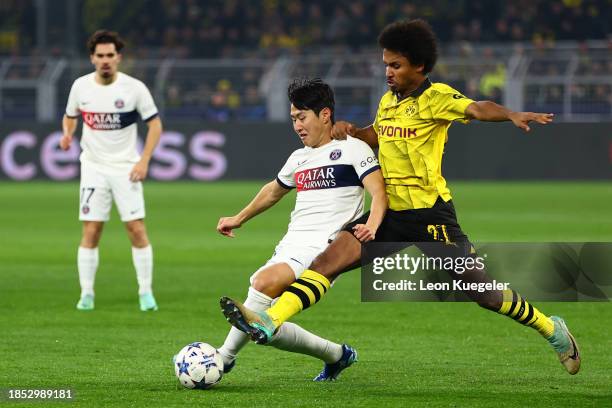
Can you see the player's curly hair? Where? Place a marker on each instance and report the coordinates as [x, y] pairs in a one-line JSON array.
[[414, 39], [104, 37], [311, 94]]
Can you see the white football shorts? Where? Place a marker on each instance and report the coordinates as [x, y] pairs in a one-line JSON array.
[[101, 185], [297, 257]]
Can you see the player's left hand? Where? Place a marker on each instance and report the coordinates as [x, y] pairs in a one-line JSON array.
[[139, 172], [521, 119], [341, 129], [364, 233]]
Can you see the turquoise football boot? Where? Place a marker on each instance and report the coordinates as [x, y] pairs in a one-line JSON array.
[[86, 302], [147, 302], [258, 325], [565, 345]]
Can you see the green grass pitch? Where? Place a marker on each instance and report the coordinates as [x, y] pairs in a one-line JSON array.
[[411, 354]]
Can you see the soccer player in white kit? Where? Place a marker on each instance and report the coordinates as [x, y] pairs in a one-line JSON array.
[[330, 176], [110, 103]]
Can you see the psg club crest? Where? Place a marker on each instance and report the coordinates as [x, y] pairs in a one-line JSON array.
[[119, 103], [335, 155], [85, 209]]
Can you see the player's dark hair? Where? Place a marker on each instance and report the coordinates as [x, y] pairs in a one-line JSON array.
[[414, 39], [311, 94], [104, 37]]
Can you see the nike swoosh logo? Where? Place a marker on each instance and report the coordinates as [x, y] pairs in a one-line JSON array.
[[135, 211], [302, 162], [85, 103], [293, 259]]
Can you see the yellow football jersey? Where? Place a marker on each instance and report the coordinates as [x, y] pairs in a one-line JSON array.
[[411, 138]]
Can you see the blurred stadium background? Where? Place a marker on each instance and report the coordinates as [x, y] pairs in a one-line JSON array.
[[218, 71], [230, 60], [222, 67]]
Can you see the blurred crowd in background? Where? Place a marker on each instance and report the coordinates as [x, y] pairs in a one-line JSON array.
[[218, 28], [487, 31]]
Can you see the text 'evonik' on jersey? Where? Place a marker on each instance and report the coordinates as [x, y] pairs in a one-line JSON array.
[[110, 113], [329, 189]]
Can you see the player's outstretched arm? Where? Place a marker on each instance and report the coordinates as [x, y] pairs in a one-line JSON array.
[[140, 170], [69, 126], [488, 111], [367, 134], [375, 184], [269, 195]]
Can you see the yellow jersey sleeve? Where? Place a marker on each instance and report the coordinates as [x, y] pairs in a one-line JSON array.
[[449, 104]]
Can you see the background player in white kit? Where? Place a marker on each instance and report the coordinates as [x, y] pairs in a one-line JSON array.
[[329, 176], [111, 168]]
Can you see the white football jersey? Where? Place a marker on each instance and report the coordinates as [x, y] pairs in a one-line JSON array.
[[329, 189], [110, 113]]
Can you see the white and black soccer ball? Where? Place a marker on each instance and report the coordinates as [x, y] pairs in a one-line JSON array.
[[198, 365]]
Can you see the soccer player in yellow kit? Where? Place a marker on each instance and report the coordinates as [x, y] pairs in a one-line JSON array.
[[410, 131]]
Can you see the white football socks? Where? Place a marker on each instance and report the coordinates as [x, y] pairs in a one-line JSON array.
[[143, 263], [236, 339], [289, 337], [87, 264]]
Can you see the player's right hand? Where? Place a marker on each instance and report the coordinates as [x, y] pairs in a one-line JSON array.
[[65, 142], [342, 128], [226, 225]]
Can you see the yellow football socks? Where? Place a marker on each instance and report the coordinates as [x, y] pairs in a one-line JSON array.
[[514, 306], [302, 293]]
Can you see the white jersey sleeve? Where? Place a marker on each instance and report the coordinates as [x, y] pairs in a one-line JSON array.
[[286, 175], [72, 107], [363, 157], [145, 104]]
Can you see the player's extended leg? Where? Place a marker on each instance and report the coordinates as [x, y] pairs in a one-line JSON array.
[[291, 337], [87, 262], [552, 328], [439, 228], [344, 251], [510, 303], [142, 257], [506, 302], [266, 284]]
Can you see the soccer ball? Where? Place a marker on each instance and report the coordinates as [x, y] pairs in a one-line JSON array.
[[198, 365]]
